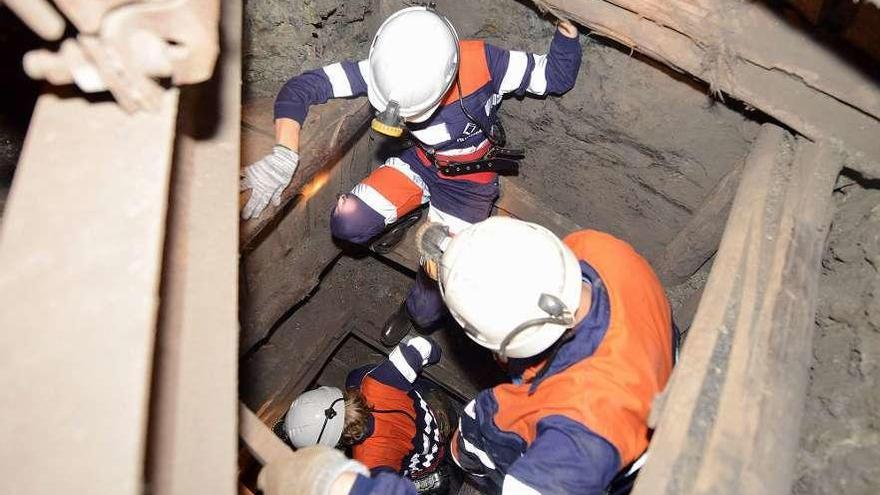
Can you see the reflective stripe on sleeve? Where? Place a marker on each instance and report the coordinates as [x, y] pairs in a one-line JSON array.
[[538, 80], [516, 70], [422, 346], [364, 67], [399, 361], [339, 81], [482, 456], [513, 486]]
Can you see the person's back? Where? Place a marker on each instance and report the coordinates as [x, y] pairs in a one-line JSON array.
[[576, 411], [401, 431]]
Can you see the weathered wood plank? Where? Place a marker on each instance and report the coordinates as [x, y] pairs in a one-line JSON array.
[[754, 32], [698, 240], [327, 134], [734, 403], [746, 51], [195, 368], [259, 439], [80, 262], [286, 265]]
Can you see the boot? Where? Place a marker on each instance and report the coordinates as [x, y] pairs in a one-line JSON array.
[[396, 327], [392, 237]]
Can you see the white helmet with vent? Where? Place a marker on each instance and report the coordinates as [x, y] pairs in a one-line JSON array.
[[413, 62], [316, 417], [512, 285]]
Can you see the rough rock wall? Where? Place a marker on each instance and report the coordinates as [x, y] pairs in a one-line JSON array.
[[629, 150], [840, 435], [285, 37]]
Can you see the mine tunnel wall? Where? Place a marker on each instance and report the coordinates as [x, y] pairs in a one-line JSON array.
[[633, 149]]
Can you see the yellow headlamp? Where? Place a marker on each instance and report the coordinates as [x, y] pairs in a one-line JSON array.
[[389, 122]]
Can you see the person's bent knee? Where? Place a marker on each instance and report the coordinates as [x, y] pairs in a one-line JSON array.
[[354, 221]]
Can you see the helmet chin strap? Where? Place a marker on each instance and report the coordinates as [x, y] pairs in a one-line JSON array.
[[329, 414], [556, 311]]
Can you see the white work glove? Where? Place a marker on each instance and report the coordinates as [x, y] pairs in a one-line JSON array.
[[267, 179], [308, 471]]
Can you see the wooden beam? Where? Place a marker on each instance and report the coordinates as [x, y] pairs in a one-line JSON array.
[[734, 403], [286, 265], [192, 435], [327, 134], [747, 51], [698, 240], [262, 443], [80, 261]]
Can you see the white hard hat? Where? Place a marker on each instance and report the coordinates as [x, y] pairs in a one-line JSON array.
[[512, 285], [413, 62], [316, 417]]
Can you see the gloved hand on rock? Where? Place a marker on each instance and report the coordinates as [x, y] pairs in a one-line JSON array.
[[267, 179], [308, 471]]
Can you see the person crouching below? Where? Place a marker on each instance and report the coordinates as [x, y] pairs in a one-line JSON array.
[[389, 417]]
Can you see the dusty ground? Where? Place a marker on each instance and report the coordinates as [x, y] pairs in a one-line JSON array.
[[840, 440]]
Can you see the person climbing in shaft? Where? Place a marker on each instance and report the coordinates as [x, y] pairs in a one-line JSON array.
[[445, 93], [394, 421], [585, 330]]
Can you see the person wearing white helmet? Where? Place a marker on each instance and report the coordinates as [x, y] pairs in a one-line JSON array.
[[585, 330], [387, 415], [444, 93]]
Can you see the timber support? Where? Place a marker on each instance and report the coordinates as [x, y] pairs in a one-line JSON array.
[[749, 52], [735, 400]]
